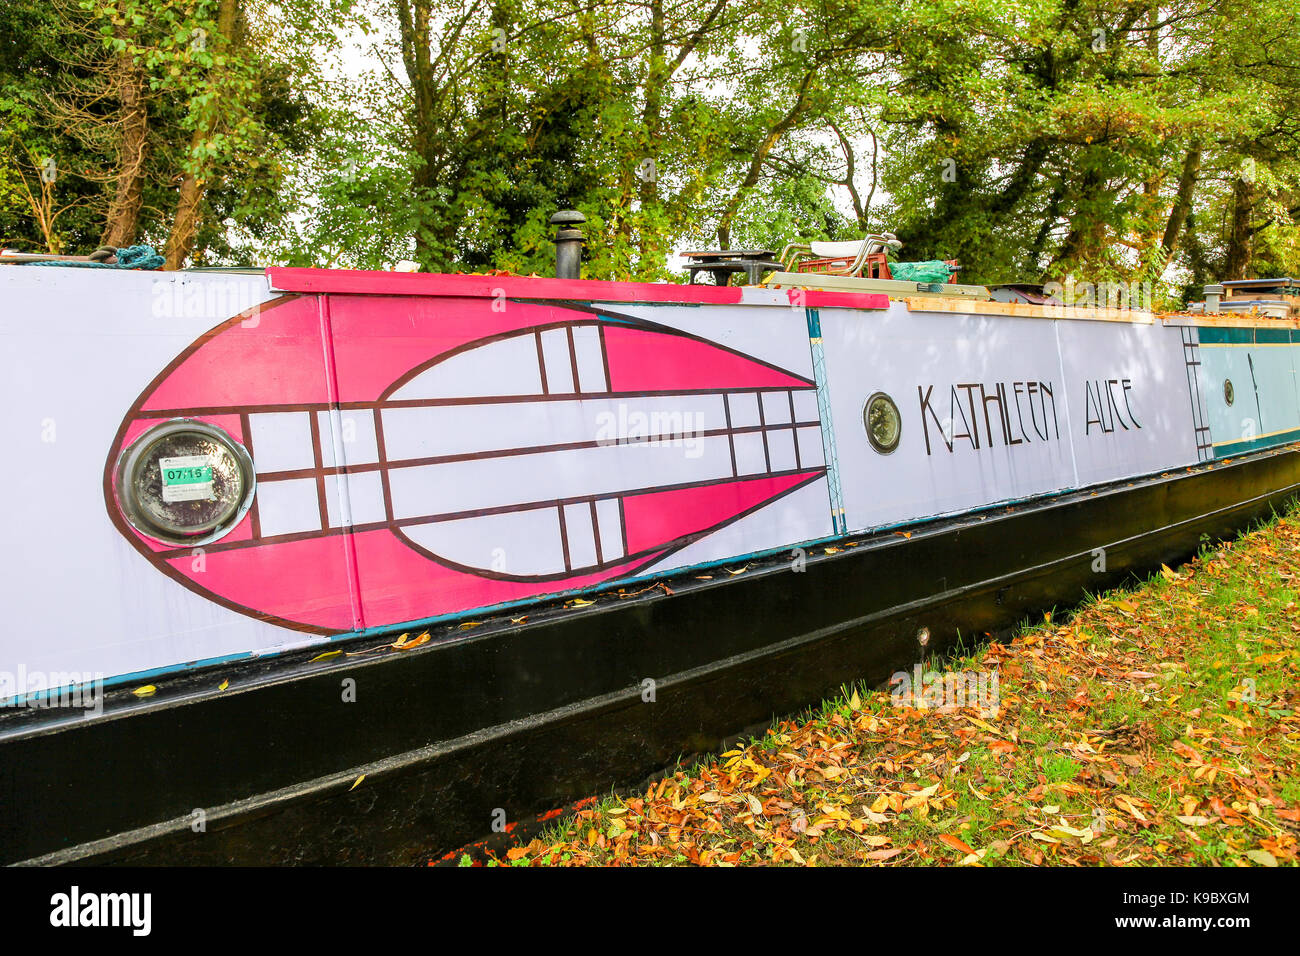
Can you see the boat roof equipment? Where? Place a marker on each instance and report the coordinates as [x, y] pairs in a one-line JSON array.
[[1030, 292], [894, 288], [568, 243], [1257, 285], [856, 257], [722, 264]]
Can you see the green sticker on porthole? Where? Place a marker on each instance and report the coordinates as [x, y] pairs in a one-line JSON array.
[[186, 478]]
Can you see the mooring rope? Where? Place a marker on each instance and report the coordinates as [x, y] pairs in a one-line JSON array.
[[132, 257]]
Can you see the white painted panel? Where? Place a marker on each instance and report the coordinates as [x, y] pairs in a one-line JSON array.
[[750, 456], [513, 361], [805, 406], [356, 429], [610, 522], [744, 409], [365, 497], [459, 486], [777, 335], [780, 448], [798, 517], [811, 449], [581, 535], [434, 431], [287, 507], [776, 408], [1130, 410], [282, 441], [591, 359], [522, 542], [559, 361], [933, 367], [115, 331]]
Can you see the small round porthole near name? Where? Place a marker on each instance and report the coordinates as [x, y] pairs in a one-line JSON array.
[[1229, 393], [185, 482], [883, 423]]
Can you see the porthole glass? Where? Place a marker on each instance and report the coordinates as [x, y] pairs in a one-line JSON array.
[[185, 482], [883, 423], [1229, 394]]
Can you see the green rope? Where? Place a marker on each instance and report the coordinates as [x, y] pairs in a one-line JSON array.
[[132, 257]]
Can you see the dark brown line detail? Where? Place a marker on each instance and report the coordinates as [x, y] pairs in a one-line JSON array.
[[731, 435], [321, 500], [159, 558], [382, 452], [653, 554], [564, 538], [573, 360], [395, 524], [794, 433], [541, 362], [604, 355], [595, 532], [151, 413], [762, 420], [581, 499], [254, 515], [632, 321], [526, 450], [648, 325], [622, 524]]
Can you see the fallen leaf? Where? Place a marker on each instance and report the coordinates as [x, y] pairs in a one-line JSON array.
[[955, 843]]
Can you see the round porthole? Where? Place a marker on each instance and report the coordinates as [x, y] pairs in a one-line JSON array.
[[883, 423], [185, 482], [1228, 392]]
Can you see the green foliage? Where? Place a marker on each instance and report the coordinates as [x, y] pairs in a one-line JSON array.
[[1032, 140]]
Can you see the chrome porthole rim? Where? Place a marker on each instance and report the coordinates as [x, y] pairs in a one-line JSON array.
[[1229, 392], [137, 517], [866, 423]]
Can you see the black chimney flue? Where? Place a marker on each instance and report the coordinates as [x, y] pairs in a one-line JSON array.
[[568, 243]]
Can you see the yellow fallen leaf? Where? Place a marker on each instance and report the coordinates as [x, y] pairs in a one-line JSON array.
[[223, 685], [356, 783], [324, 657], [1262, 857], [147, 690], [579, 602]]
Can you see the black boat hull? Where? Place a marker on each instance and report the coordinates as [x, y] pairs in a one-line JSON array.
[[509, 719]]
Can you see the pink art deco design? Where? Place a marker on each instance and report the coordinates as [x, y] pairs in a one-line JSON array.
[[402, 441]]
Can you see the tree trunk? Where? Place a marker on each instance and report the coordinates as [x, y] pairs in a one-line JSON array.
[[413, 24], [1182, 200], [123, 222], [189, 201], [1157, 260], [1241, 236]]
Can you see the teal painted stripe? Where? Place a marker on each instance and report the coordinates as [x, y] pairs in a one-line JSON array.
[[1272, 336], [1252, 444], [1217, 336], [839, 524]]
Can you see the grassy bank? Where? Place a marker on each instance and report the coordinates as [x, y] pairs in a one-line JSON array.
[[1156, 725]]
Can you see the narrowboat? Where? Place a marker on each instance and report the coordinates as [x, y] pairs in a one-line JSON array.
[[313, 566]]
